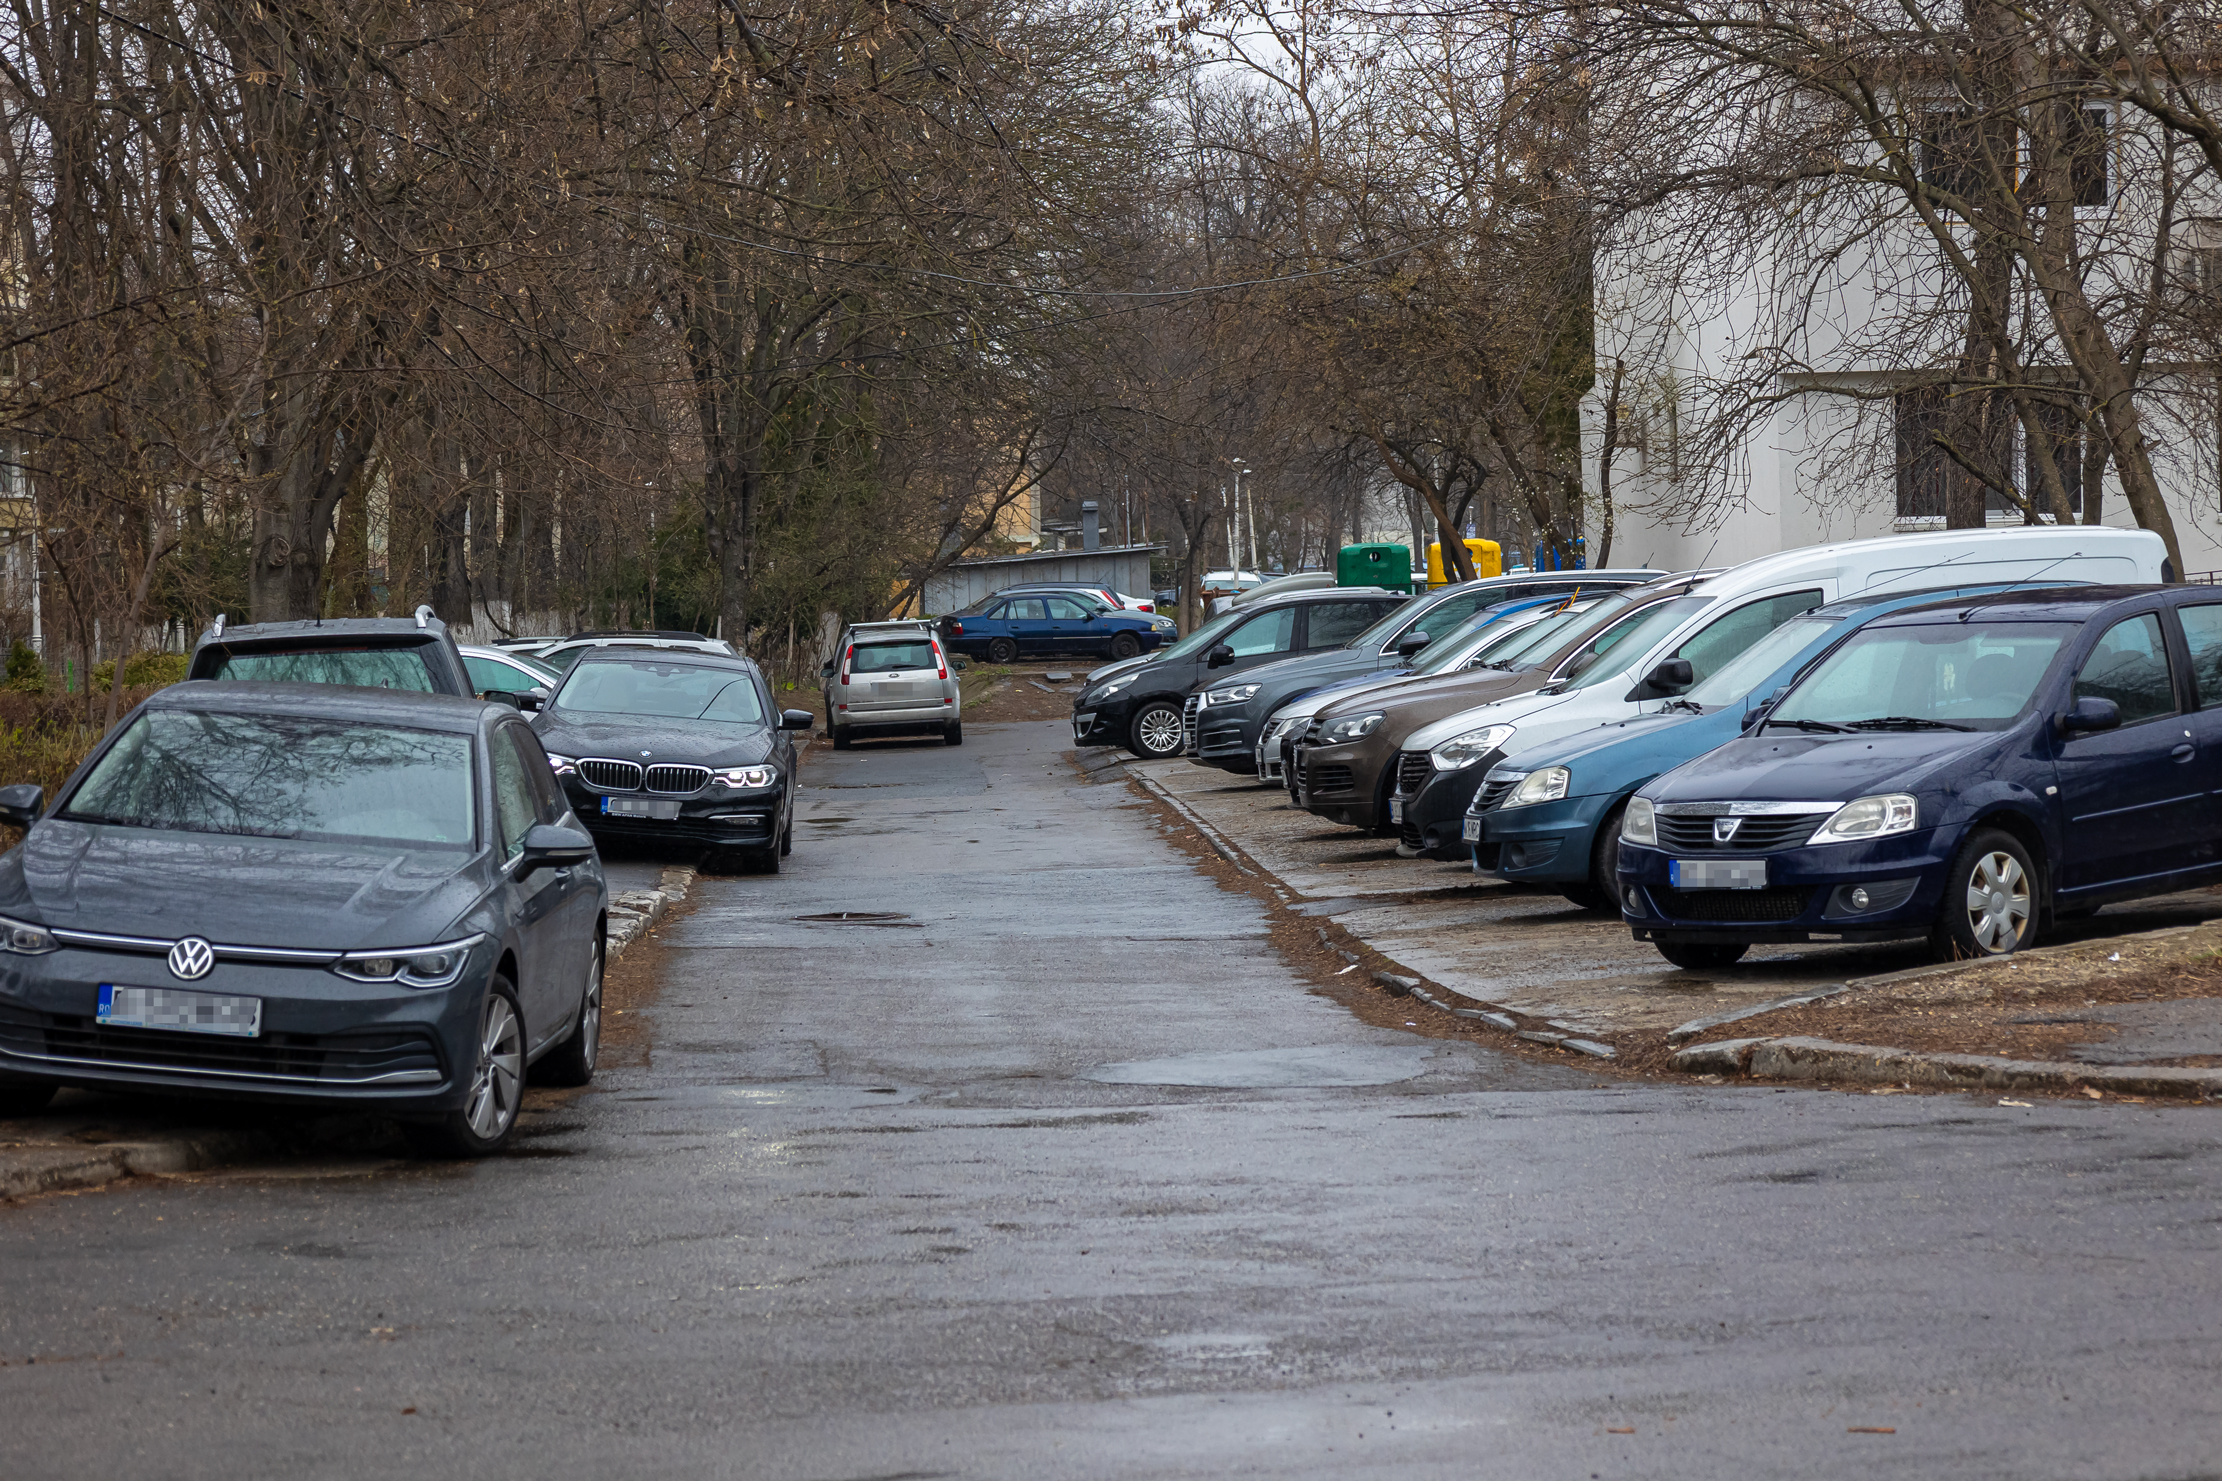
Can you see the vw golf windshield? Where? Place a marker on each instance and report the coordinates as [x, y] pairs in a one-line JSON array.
[[1937, 676], [283, 776]]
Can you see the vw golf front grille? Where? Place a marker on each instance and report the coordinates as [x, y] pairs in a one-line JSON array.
[[678, 779], [611, 776], [365, 1057]]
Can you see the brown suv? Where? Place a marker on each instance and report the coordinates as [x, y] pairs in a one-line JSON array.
[[1349, 780]]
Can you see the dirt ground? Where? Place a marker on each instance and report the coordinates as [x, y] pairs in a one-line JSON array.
[[2064, 1003]]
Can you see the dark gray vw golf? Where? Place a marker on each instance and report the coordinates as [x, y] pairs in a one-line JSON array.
[[310, 894]]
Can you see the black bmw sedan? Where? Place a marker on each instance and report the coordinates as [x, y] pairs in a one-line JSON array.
[[305, 894], [681, 748]]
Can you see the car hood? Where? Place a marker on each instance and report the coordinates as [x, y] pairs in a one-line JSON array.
[[1542, 719], [1608, 757], [1307, 669], [1779, 766], [237, 891], [652, 740], [1123, 666], [1307, 703]]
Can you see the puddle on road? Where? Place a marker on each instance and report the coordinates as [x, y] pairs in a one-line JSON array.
[[1272, 1069], [813, 1096]]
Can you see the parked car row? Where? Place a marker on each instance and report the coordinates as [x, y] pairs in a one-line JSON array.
[[1956, 736], [338, 866]]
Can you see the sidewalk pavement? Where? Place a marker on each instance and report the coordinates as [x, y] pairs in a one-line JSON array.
[[85, 1138], [1560, 978]]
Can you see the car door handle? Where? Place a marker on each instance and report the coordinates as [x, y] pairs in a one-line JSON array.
[[2182, 752]]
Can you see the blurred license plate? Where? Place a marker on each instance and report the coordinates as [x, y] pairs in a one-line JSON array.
[[1717, 874], [639, 807], [1396, 809], [185, 1012], [1472, 831]]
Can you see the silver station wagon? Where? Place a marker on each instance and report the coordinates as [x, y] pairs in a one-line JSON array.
[[892, 678]]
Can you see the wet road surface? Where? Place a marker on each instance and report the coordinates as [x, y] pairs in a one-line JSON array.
[[1062, 1172]]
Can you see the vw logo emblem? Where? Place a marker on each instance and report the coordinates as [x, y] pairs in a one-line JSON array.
[[191, 958], [1725, 828]]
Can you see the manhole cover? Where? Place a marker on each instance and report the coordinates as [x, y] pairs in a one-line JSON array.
[[861, 918]]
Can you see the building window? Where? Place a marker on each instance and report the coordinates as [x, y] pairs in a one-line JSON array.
[[2064, 430], [2087, 139], [1953, 153], [1933, 425]]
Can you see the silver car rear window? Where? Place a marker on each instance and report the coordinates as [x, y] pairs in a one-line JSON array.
[[886, 658]]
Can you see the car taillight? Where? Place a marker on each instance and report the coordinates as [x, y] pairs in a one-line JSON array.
[[847, 659], [942, 659], [956, 629]]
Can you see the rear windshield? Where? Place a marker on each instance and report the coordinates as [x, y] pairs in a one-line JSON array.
[[366, 668], [1951, 675], [670, 691], [275, 776], [886, 658]]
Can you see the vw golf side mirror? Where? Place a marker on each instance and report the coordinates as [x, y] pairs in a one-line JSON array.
[[796, 719], [1671, 677], [1411, 643], [1220, 657], [2088, 713], [551, 846], [20, 804]]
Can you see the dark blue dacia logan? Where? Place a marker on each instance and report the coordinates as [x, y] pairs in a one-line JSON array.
[[1963, 771]]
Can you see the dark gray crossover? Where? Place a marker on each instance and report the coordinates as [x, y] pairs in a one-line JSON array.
[[416, 653], [1230, 716], [305, 894], [676, 747]]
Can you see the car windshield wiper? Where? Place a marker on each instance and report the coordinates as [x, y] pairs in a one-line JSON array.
[[1907, 722], [1822, 726]]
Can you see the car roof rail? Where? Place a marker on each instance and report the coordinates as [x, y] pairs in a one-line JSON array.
[[692, 637], [425, 613]]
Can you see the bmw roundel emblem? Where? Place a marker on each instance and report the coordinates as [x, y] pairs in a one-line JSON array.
[[191, 958]]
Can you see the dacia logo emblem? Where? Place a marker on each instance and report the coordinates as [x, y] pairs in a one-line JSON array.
[[1724, 829], [191, 959]]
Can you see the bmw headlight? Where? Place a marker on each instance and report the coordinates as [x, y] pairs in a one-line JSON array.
[[746, 776], [1351, 727], [1547, 785], [1869, 817], [24, 939], [1465, 750], [1233, 694], [562, 765], [1639, 824], [410, 966]]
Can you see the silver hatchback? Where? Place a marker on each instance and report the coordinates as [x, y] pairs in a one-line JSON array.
[[892, 678]]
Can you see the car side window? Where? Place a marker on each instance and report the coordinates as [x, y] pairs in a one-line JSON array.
[[1023, 609], [1334, 624], [515, 806], [2130, 667], [548, 798], [2202, 630], [1727, 636], [1268, 632], [1066, 609], [487, 674], [1446, 614]]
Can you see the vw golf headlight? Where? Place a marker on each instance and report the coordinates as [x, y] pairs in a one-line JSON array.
[[1547, 785], [1465, 750], [562, 765], [746, 776], [25, 939], [1233, 694], [1640, 823], [1350, 728], [1869, 817], [412, 966]]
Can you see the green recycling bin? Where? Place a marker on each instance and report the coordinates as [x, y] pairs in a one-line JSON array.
[[1388, 566]]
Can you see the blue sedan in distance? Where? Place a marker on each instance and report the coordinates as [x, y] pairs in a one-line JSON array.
[[1004, 628]]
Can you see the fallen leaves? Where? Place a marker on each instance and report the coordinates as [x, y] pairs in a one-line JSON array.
[[1870, 1429]]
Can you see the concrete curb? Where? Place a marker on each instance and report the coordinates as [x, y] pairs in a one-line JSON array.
[[1822, 1061], [59, 1167], [1396, 984]]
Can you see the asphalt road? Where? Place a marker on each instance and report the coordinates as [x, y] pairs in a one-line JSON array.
[[1071, 1176]]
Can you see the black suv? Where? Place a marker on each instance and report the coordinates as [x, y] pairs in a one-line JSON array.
[[415, 653], [1142, 708]]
